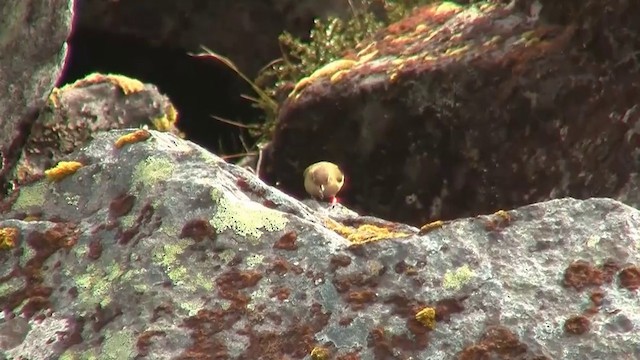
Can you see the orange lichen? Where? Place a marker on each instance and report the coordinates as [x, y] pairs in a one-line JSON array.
[[126, 84], [364, 233], [430, 227], [8, 236], [427, 317], [62, 170], [134, 137]]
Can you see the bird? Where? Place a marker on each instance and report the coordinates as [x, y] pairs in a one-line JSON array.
[[323, 180]]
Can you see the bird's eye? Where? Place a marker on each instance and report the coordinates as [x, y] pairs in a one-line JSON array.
[[340, 178]]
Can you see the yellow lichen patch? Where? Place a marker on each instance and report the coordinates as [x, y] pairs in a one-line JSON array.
[[338, 76], [62, 170], [126, 84], [503, 214], [447, 7], [54, 98], [8, 236], [420, 28], [300, 85], [134, 137], [167, 121], [456, 51], [364, 233], [332, 68], [456, 279], [327, 70], [319, 353], [430, 227], [427, 317]]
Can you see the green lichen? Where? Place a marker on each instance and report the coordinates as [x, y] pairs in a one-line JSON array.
[[254, 260], [12, 285], [96, 284], [168, 256], [119, 345], [153, 170], [31, 196], [190, 306], [247, 219], [454, 280]]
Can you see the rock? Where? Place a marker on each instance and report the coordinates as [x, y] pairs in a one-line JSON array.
[[243, 30], [462, 110], [75, 112], [28, 69], [158, 249]]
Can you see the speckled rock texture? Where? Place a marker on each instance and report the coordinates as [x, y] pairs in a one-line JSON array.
[[243, 30], [157, 249], [28, 68], [75, 112], [461, 110]]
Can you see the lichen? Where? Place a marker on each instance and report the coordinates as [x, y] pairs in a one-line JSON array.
[[95, 284], [167, 121], [153, 170], [454, 280], [32, 195], [126, 84], [364, 233], [119, 345], [427, 317], [62, 170], [132, 137], [8, 238], [247, 219], [12, 285]]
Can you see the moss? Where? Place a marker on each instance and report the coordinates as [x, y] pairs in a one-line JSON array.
[[456, 279], [153, 170], [8, 238], [246, 219]]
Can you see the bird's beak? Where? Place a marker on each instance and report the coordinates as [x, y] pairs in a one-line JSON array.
[[322, 191]]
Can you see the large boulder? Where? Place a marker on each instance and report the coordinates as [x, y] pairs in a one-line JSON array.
[[143, 245], [461, 110], [32, 54]]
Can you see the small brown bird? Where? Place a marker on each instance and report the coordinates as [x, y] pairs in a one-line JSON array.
[[323, 180]]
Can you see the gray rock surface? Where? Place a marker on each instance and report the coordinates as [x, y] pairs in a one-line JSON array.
[[76, 111], [160, 250], [32, 52]]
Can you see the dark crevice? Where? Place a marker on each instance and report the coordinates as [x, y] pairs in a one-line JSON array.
[[198, 88]]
